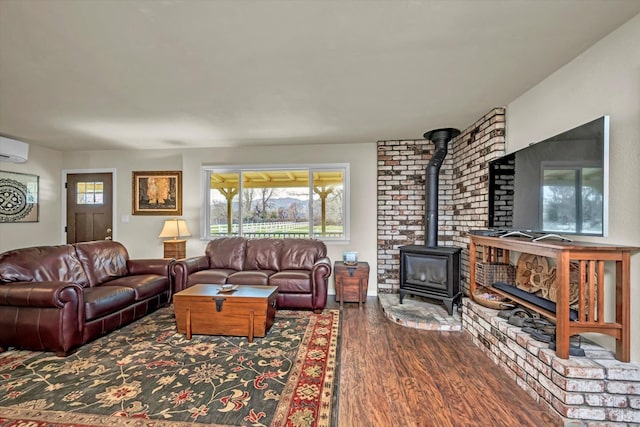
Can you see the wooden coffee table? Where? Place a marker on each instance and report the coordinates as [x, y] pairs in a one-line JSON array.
[[245, 311]]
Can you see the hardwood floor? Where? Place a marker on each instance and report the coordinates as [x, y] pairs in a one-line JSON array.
[[391, 375]]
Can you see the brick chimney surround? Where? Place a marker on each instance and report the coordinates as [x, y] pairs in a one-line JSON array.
[[463, 193]]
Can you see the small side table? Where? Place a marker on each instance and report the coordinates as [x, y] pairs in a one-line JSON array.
[[175, 249], [352, 282]]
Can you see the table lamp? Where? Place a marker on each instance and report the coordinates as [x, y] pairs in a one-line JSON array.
[[175, 228]]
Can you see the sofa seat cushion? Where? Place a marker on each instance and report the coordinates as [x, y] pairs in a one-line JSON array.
[[292, 281], [102, 300], [211, 277], [144, 285], [250, 277]]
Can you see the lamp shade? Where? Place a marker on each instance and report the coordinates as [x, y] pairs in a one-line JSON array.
[[175, 228]]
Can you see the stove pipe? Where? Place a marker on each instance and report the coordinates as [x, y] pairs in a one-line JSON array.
[[440, 138]]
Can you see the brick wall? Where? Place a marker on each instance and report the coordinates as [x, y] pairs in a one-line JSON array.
[[503, 182], [463, 201]]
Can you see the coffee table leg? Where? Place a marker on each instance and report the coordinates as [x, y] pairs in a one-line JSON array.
[[250, 336], [188, 323]]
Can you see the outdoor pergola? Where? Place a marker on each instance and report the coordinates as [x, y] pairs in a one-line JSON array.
[[228, 184]]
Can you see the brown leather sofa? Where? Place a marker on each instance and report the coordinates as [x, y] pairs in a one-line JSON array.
[[298, 267], [57, 298]]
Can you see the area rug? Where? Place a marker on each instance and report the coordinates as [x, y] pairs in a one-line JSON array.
[[147, 374]]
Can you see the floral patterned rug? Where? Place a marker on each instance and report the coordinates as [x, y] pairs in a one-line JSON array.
[[147, 374]]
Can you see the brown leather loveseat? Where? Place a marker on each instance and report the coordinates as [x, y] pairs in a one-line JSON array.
[[57, 298], [298, 267]]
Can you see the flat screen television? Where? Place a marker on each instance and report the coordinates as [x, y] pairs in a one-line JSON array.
[[557, 186]]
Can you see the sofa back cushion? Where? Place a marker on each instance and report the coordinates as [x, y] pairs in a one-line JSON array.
[[301, 254], [227, 252], [103, 260], [42, 263], [263, 254]]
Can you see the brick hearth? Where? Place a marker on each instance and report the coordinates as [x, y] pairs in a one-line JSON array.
[[592, 391]]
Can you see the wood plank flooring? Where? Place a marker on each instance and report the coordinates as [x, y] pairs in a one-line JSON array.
[[391, 375]]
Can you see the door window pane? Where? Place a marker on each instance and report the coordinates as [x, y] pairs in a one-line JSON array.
[[89, 193]]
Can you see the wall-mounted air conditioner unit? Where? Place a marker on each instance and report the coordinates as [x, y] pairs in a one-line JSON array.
[[13, 151]]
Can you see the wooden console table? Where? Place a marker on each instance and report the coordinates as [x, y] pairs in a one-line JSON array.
[[591, 259]]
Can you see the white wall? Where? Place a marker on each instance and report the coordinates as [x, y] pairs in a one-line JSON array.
[[603, 80], [140, 234], [46, 164]]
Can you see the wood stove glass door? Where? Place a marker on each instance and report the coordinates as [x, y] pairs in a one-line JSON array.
[[426, 272]]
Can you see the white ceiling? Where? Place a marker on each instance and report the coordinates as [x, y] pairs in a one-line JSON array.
[[112, 74]]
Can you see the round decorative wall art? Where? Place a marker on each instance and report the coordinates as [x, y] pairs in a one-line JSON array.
[[18, 197]]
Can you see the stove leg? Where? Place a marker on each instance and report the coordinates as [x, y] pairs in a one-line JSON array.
[[458, 301], [448, 302]]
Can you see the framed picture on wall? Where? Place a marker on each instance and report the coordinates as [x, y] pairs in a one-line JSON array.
[[157, 193], [18, 197]]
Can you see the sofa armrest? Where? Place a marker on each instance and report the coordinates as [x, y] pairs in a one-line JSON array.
[[184, 267], [320, 281], [323, 266], [161, 267], [42, 315], [40, 294]]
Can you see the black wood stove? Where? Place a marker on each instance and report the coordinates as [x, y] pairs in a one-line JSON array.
[[432, 271]]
